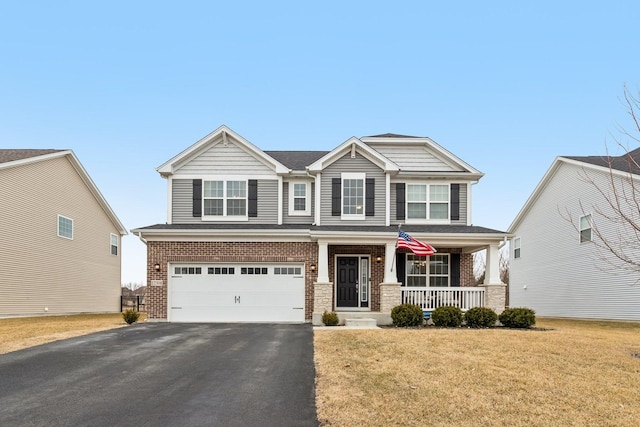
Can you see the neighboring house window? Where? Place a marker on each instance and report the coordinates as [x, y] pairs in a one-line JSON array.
[[299, 198], [114, 244], [516, 247], [585, 228], [433, 270], [224, 199], [353, 195], [427, 202], [65, 227]]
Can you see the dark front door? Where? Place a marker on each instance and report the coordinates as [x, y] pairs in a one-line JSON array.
[[347, 281]]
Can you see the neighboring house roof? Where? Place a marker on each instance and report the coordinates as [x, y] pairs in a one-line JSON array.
[[296, 160], [10, 158], [619, 165]]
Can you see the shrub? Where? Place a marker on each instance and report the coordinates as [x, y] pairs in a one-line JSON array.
[[480, 317], [130, 316], [447, 315], [518, 317], [407, 315], [330, 318]]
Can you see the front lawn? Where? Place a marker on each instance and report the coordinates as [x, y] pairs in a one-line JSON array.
[[579, 373]]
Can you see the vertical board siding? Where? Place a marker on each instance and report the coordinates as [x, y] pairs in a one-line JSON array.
[[416, 158], [40, 269], [563, 277], [221, 160], [357, 165], [181, 203], [297, 219]]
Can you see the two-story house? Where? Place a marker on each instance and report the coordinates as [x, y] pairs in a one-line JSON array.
[[275, 236]]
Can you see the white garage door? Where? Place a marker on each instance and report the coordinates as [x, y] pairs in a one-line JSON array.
[[236, 293]]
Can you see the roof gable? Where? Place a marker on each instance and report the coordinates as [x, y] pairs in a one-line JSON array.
[[219, 136], [353, 144]]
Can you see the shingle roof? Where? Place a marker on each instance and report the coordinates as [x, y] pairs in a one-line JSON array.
[[11, 155], [626, 163], [296, 160], [391, 135]]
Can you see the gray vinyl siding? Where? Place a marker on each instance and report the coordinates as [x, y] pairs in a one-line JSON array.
[[563, 277], [221, 160], [411, 158], [40, 269], [182, 203], [357, 165], [463, 205], [295, 219]]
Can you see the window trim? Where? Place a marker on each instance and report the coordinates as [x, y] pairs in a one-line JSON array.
[[361, 176], [427, 202], [225, 199], [72, 233], [427, 274], [307, 198], [589, 219], [517, 243], [111, 245]]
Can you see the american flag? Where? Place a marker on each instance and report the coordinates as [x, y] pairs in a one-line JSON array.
[[416, 246]]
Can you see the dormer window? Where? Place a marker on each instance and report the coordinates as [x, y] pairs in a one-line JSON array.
[[224, 199]]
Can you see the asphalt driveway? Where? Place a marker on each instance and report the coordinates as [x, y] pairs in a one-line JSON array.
[[165, 375]]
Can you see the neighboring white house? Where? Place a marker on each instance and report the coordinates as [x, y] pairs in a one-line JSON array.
[[60, 250], [559, 267]]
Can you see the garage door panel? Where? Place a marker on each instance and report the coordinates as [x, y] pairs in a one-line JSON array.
[[237, 297]]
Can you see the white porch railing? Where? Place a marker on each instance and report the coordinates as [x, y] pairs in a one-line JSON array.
[[431, 298]]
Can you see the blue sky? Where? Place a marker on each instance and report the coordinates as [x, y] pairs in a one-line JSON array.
[[127, 85]]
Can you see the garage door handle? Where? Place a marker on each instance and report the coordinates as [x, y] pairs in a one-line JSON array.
[[297, 308], [176, 308], [237, 300]]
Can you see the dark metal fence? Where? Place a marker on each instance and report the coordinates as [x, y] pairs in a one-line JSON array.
[[135, 302]]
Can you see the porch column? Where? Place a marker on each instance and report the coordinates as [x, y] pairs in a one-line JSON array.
[[494, 290], [322, 288], [323, 262], [390, 292], [390, 276]]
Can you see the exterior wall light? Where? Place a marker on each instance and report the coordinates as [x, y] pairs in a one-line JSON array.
[[156, 266], [378, 259], [312, 267]]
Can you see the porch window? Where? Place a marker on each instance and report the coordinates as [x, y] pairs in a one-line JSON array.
[[433, 270], [585, 228], [353, 195], [427, 202], [224, 199], [299, 193], [516, 247]]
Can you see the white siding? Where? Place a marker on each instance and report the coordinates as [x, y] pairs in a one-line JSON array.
[[356, 165], [40, 269], [411, 158], [563, 277]]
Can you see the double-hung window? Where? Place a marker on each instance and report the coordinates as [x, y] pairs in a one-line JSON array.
[[585, 228], [516, 247], [427, 202], [353, 196], [428, 271], [65, 227], [224, 199], [113, 238], [299, 198]]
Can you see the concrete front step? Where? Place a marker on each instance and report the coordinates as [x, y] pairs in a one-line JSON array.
[[361, 323]]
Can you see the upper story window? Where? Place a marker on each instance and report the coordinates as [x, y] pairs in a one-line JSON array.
[[427, 202], [224, 199], [585, 228], [114, 243], [428, 271], [353, 196], [299, 198], [65, 227], [516, 247]]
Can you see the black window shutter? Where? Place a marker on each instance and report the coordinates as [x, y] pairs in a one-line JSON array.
[[401, 267], [197, 198], [454, 259], [400, 200], [336, 196], [455, 202], [370, 194], [253, 198]]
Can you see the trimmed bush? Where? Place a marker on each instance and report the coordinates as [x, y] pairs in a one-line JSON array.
[[330, 318], [447, 315], [518, 317], [130, 316], [404, 315], [480, 317]]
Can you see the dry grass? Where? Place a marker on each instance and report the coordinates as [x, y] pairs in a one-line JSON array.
[[580, 373], [23, 332]]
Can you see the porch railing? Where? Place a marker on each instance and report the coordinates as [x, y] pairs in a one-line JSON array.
[[431, 298]]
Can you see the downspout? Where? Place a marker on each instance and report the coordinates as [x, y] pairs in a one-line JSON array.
[[316, 204]]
